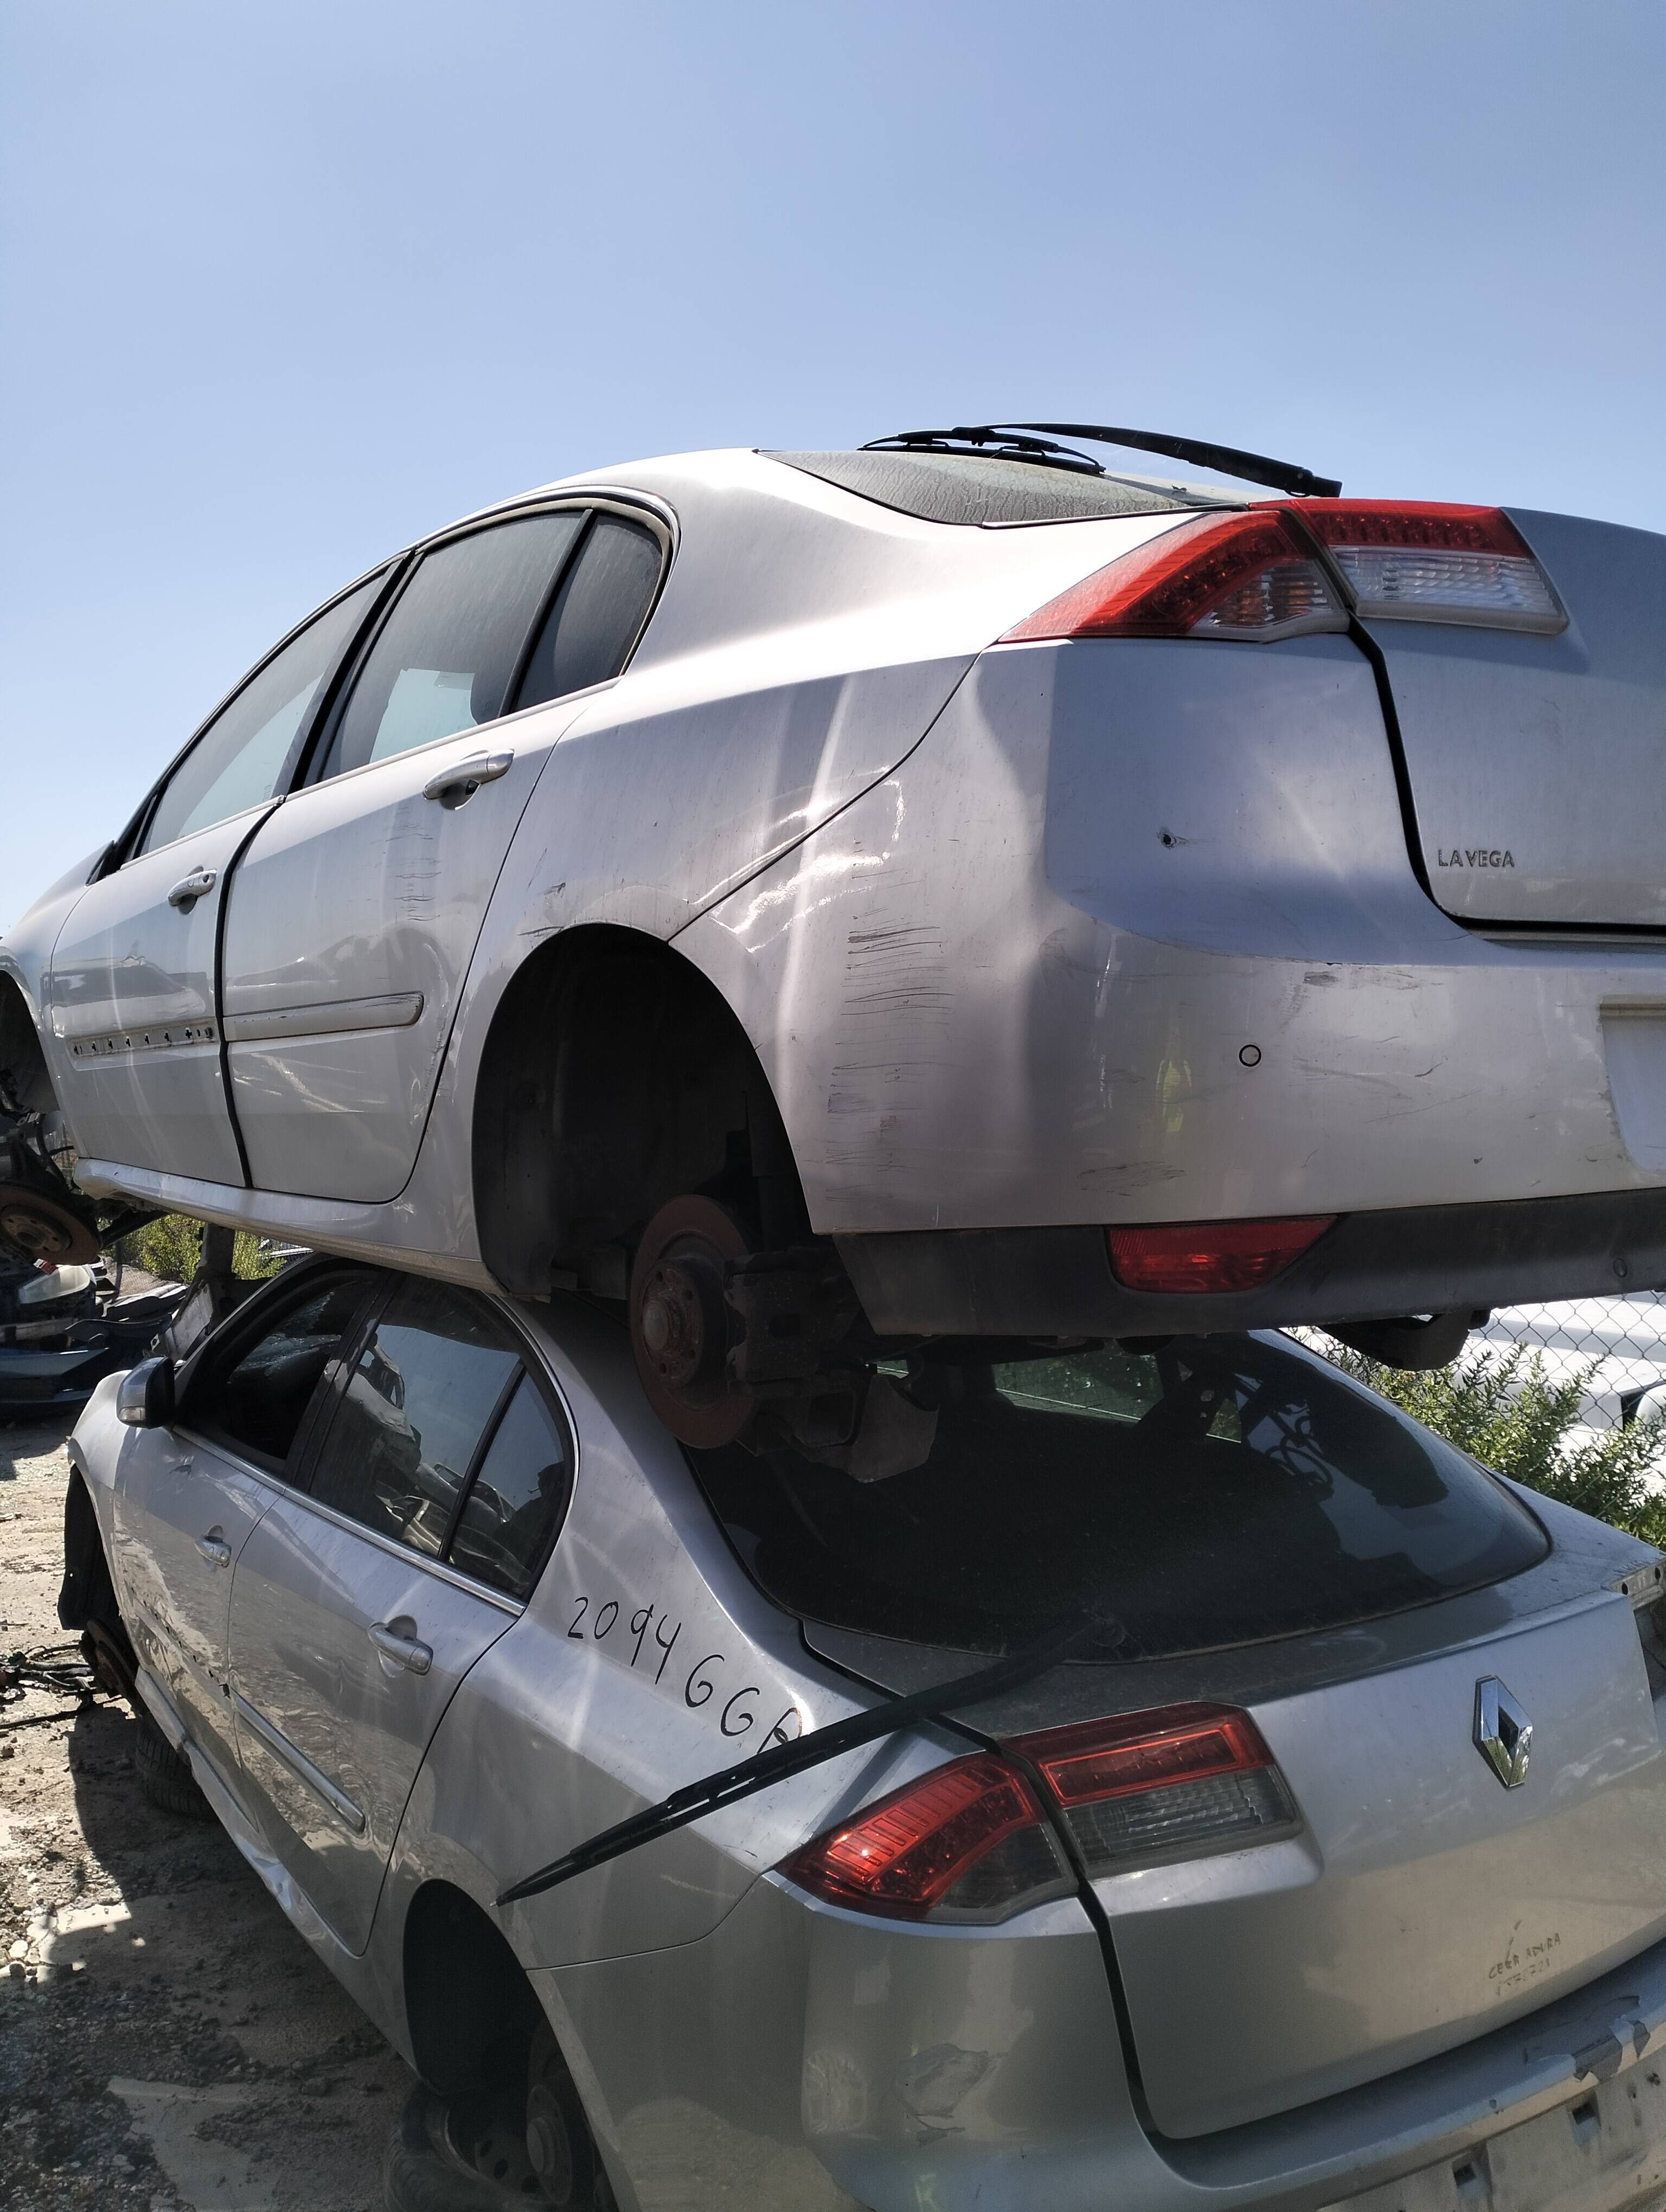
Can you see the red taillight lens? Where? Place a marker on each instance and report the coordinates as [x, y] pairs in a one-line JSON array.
[[1254, 575], [1228, 576], [967, 1841], [1421, 562], [1211, 1256], [1162, 1784]]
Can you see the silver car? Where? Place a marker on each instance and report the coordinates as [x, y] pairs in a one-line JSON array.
[[1189, 1784], [971, 888]]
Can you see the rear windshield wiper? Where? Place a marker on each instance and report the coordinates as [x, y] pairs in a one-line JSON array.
[[696, 1799], [1034, 442]]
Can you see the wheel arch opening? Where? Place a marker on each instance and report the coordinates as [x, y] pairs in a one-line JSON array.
[[25, 1085], [470, 2008], [615, 1077]]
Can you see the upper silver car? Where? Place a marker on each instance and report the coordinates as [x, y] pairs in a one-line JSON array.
[[897, 868], [1296, 1840]]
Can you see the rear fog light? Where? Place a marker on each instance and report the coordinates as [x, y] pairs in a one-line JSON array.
[[1162, 1785], [1211, 1256]]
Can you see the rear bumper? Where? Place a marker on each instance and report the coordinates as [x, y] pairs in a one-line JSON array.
[[1404, 1260], [808, 2058]]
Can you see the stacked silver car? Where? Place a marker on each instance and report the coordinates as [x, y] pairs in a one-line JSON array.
[[820, 1005]]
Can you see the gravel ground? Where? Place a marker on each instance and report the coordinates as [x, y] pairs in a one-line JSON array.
[[167, 2040]]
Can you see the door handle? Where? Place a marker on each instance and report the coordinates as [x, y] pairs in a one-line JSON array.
[[215, 1549], [456, 785], [403, 1650], [189, 889], [182, 1465]]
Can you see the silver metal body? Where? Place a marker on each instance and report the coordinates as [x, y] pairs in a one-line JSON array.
[[1429, 1969], [1023, 935]]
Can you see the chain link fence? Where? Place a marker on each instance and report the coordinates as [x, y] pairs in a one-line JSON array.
[[1616, 1346]]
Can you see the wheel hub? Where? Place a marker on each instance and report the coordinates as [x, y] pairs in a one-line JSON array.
[[37, 1227], [548, 2148], [680, 1321]]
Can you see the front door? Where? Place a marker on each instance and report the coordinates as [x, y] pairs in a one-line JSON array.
[[356, 909], [187, 1497], [358, 1609], [133, 1028], [131, 1013]]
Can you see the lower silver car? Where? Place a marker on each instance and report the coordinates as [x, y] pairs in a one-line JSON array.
[[1298, 1840]]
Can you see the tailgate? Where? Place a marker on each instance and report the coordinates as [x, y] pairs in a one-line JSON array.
[[1422, 1902], [1537, 765]]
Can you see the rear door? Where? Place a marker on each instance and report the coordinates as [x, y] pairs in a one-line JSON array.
[[131, 1001], [357, 1609], [1537, 763], [357, 907]]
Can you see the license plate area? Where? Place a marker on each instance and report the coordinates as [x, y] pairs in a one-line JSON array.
[[1605, 2151]]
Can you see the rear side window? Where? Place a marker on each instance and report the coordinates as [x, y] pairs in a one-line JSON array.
[[596, 616], [255, 1401], [444, 657], [426, 1389], [240, 758], [1220, 1491], [517, 1498]]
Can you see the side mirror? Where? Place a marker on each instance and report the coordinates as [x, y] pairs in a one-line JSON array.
[[144, 1396]]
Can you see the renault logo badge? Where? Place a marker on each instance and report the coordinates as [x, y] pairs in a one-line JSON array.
[[1504, 1734]]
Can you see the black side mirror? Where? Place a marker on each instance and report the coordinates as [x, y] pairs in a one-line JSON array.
[[144, 1396]]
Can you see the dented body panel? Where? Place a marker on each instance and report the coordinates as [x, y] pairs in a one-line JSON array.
[[1133, 937]]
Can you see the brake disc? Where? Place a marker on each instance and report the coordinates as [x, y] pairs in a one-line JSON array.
[[34, 1226]]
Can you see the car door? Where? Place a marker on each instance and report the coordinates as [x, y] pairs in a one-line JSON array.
[[355, 911], [134, 1032], [187, 1496], [358, 1609]]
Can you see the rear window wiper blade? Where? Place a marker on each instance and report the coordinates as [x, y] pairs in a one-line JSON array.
[[764, 1768], [1034, 443]]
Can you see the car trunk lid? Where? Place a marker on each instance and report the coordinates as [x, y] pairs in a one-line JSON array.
[[1420, 1901], [1534, 762]]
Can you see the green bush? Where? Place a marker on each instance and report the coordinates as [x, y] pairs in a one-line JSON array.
[[1502, 1406], [171, 1247]]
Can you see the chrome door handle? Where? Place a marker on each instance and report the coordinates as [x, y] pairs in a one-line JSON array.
[[403, 1650], [214, 1550], [455, 786], [189, 889]]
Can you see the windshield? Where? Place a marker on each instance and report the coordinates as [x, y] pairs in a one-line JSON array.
[[974, 489], [1212, 1492]]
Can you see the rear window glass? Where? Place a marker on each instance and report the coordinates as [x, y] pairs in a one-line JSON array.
[[1218, 1491], [971, 490]]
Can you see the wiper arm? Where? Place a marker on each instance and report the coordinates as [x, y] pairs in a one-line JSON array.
[[1033, 441], [764, 1768]]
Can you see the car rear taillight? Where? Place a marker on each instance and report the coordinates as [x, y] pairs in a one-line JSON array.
[[1420, 562], [1161, 1785], [970, 1842], [966, 1842], [1211, 1256], [1227, 576], [1255, 576]]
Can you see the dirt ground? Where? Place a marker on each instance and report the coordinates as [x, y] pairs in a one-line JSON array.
[[167, 2040]]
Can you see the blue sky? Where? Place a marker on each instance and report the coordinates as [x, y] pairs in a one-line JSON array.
[[283, 285]]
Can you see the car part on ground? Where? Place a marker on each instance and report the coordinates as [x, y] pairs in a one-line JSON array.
[[62, 1329]]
